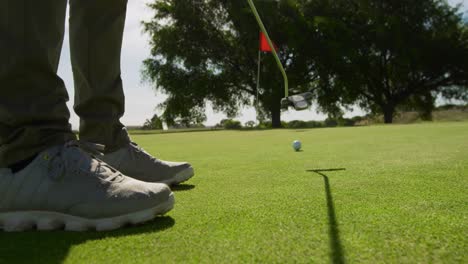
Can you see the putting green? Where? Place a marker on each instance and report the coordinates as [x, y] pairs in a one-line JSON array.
[[375, 194]]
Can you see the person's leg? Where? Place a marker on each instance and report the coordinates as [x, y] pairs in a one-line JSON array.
[[96, 30], [63, 187], [33, 113]]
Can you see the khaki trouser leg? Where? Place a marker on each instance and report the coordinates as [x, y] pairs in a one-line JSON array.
[[33, 113], [96, 30]]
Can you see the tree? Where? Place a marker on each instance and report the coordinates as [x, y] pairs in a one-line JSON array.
[[250, 124], [154, 123], [231, 124], [207, 51], [384, 54]]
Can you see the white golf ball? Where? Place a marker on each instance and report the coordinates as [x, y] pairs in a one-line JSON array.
[[296, 145]]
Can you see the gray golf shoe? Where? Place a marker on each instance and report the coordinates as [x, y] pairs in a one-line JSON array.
[[65, 187], [135, 162]]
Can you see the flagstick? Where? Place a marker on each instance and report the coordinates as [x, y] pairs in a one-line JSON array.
[[273, 50], [258, 72], [258, 81]]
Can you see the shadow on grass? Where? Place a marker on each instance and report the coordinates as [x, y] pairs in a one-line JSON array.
[[336, 249], [321, 171], [182, 187], [53, 247]]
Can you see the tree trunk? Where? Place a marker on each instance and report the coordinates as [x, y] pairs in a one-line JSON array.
[[276, 116], [388, 112]]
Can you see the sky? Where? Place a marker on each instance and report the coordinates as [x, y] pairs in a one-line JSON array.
[[141, 99]]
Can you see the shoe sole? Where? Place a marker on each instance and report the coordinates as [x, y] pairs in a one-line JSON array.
[[181, 177], [48, 221]]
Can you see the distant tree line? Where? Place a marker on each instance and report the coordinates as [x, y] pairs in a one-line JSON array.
[[447, 112], [456, 113], [329, 122], [381, 55]]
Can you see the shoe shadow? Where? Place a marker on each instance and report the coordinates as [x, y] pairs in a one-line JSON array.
[[337, 255], [53, 247], [182, 187]]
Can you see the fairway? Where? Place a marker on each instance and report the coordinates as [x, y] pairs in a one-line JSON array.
[[394, 194]]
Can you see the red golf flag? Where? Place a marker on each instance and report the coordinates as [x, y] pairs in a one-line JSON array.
[[264, 43]]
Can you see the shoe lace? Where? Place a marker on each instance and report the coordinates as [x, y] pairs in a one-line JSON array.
[[139, 151], [60, 164]]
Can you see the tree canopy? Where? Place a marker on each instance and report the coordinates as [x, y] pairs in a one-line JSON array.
[[387, 54], [154, 123]]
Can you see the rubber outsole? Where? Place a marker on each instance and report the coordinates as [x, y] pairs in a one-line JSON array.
[[181, 177], [48, 221]]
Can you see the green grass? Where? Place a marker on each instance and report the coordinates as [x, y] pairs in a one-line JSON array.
[[441, 114], [393, 194]]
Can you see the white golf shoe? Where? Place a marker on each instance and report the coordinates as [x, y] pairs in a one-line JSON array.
[[65, 187], [135, 162]]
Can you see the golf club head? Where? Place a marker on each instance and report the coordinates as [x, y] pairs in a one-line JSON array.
[[299, 101]]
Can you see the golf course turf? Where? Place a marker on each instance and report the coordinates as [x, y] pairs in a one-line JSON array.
[[393, 194]]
